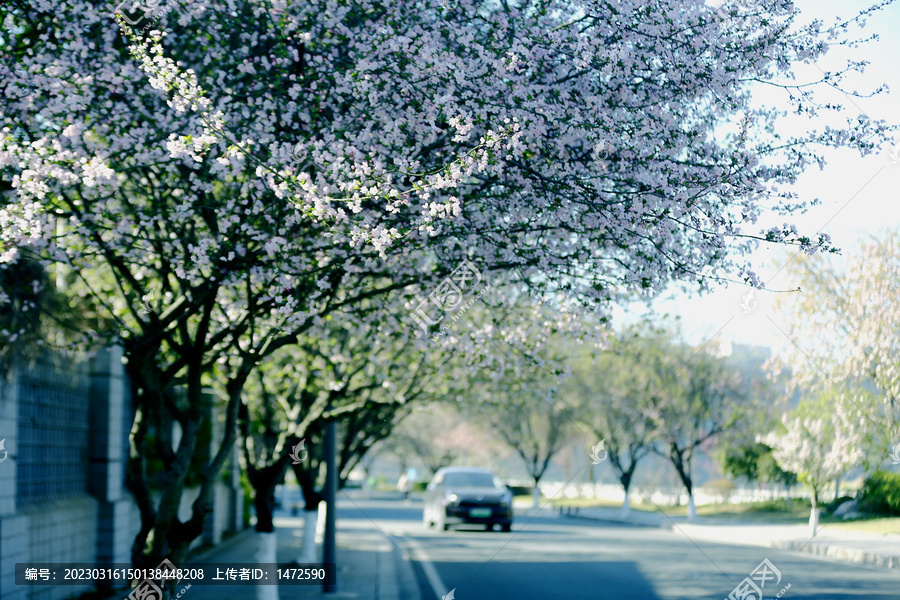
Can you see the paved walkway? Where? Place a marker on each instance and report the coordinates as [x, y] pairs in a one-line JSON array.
[[368, 566], [880, 550]]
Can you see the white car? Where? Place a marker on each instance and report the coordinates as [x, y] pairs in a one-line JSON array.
[[462, 495]]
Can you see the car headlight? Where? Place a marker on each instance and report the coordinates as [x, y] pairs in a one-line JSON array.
[[450, 498]]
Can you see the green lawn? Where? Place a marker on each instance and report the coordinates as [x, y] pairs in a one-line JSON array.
[[874, 525]]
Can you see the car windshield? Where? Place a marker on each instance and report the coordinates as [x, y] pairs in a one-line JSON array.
[[470, 479]]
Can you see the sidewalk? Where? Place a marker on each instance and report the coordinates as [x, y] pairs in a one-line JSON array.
[[369, 566], [878, 550]]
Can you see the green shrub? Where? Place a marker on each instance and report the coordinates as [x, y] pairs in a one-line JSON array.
[[880, 494]]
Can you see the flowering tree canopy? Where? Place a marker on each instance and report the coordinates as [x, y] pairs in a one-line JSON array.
[[217, 177], [819, 448], [839, 323], [615, 146], [814, 449]]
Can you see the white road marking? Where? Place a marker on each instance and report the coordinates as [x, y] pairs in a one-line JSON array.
[[431, 574]]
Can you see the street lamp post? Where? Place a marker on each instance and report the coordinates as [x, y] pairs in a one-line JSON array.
[[330, 507]]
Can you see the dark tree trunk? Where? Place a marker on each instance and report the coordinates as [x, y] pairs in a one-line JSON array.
[[307, 481], [264, 481]]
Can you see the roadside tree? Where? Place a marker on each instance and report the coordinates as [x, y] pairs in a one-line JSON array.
[[701, 397], [611, 394], [819, 443], [223, 177], [838, 323], [346, 370]]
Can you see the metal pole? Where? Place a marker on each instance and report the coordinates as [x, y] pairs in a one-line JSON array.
[[330, 494]]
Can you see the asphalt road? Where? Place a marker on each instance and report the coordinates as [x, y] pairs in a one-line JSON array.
[[549, 557]]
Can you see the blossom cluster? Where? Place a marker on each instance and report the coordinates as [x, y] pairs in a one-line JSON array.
[[286, 147]]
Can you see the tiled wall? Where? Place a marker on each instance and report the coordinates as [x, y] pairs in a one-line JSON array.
[[81, 512]]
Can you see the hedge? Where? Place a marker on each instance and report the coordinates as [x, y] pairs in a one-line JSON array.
[[880, 494]]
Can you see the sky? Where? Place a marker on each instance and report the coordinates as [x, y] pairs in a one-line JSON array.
[[859, 197]]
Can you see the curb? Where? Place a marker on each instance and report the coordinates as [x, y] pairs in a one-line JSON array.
[[817, 548], [833, 551], [884, 561], [612, 520], [223, 545], [405, 584]]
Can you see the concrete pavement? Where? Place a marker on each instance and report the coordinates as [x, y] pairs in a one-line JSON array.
[[879, 550], [370, 566]]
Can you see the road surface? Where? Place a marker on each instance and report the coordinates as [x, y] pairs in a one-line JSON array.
[[549, 557]]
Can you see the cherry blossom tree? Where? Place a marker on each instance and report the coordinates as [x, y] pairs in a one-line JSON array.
[[818, 448], [345, 370], [219, 176], [837, 324], [621, 148], [439, 434]]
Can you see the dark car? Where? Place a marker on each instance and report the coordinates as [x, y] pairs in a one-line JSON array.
[[459, 495]]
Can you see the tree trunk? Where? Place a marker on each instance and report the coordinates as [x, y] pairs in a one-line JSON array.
[[536, 496], [320, 523], [625, 479], [837, 488], [814, 515], [692, 507], [266, 552], [264, 503], [264, 482], [682, 464], [309, 551], [683, 468]]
